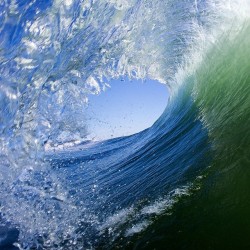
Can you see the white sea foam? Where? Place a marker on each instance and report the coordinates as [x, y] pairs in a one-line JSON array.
[[116, 219], [142, 219], [137, 228], [53, 56]]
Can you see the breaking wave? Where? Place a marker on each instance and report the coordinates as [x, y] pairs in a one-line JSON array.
[[182, 182]]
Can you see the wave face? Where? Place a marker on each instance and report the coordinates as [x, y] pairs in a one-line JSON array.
[[181, 184]]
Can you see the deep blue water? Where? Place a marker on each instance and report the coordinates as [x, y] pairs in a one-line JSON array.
[[182, 183]]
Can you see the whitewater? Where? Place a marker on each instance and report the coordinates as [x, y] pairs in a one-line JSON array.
[[183, 183]]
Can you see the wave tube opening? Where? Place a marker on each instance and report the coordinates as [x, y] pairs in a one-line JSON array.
[[126, 107], [182, 183]]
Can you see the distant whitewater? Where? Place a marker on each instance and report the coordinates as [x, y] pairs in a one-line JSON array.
[[182, 183]]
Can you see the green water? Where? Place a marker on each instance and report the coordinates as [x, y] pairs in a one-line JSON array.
[[218, 215]]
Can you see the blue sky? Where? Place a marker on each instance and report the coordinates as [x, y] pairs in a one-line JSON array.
[[129, 106]]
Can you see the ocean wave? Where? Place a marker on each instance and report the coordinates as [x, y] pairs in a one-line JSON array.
[[54, 54]]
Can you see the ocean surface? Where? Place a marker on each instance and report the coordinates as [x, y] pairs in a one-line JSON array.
[[182, 183]]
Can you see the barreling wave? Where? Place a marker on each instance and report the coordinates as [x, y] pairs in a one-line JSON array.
[[183, 182]]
